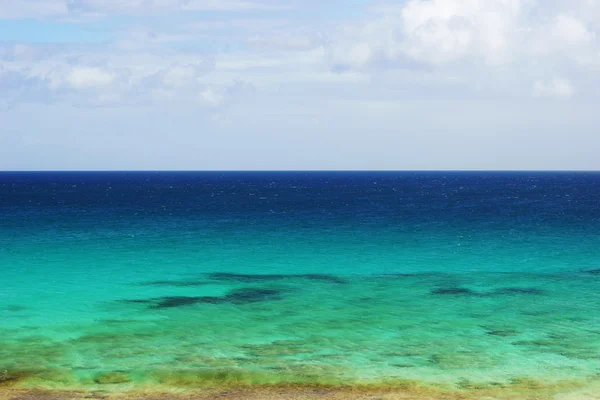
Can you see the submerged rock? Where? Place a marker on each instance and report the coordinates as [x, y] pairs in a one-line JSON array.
[[8, 377], [250, 295], [455, 291], [503, 332], [112, 378], [595, 271], [176, 301], [236, 296], [15, 308]]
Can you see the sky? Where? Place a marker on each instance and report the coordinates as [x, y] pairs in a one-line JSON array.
[[299, 84]]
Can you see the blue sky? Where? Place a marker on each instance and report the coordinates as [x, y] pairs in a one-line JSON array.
[[299, 84]]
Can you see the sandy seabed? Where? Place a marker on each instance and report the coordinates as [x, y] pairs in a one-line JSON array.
[[306, 393]]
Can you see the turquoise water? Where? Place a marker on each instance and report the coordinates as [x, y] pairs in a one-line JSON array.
[[126, 280]]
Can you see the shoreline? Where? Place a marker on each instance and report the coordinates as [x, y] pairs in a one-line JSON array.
[[526, 389], [23, 386]]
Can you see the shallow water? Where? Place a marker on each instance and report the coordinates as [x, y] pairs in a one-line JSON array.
[[456, 280]]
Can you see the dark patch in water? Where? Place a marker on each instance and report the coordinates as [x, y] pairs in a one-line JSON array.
[[176, 301], [212, 300], [237, 296], [503, 332], [402, 365], [528, 291], [536, 313], [365, 299], [537, 343], [455, 291], [137, 301], [15, 308], [249, 295], [323, 277], [250, 278], [111, 321], [175, 283], [8, 378], [112, 378], [595, 271], [99, 338]]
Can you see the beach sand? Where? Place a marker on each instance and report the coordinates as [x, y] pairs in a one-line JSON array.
[[299, 392], [257, 394]]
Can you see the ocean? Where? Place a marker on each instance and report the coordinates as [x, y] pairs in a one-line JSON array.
[[460, 281]]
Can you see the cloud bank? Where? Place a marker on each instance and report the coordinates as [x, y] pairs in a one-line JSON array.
[[264, 75]]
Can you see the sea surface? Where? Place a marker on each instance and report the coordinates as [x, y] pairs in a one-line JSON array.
[[456, 280]]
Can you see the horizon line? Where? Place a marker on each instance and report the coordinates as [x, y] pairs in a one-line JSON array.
[[292, 170]]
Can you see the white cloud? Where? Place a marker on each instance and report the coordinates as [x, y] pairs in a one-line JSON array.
[[435, 32], [85, 85], [65, 77], [178, 82], [440, 31], [211, 98], [18, 86], [500, 47], [557, 88], [283, 41], [128, 6], [237, 88], [10, 9], [180, 75], [89, 77], [571, 30], [497, 46], [564, 35]]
